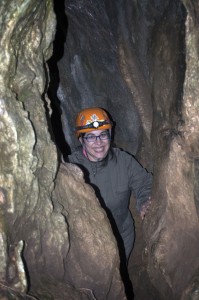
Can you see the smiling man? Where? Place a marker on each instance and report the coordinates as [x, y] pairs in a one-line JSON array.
[[113, 173]]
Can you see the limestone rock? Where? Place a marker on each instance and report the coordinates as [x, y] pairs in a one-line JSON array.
[[172, 228], [34, 236], [139, 58], [93, 258], [87, 69]]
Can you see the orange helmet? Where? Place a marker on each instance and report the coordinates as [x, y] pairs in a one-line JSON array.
[[89, 119]]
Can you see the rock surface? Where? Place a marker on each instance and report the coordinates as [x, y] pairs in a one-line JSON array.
[[172, 228], [139, 60], [45, 253]]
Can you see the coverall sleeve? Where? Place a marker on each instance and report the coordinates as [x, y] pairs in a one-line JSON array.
[[140, 182]]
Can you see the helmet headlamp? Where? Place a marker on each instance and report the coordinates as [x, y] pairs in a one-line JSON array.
[[92, 118]]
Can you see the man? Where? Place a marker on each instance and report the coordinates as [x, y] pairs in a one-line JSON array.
[[113, 173]]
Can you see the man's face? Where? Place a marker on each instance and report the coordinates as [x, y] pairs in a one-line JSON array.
[[96, 149]]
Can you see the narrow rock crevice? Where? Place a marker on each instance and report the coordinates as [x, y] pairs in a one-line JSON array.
[[139, 61]]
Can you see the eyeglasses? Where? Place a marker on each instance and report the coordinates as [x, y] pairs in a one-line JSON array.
[[91, 138]]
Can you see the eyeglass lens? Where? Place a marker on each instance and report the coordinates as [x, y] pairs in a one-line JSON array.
[[93, 138]]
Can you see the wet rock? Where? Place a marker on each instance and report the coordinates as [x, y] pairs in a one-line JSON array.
[[90, 74], [93, 258], [76, 255], [172, 230], [140, 61], [35, 236], [22, 81]]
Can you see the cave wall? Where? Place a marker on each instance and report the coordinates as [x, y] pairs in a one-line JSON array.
[[46, 251], [172, 231], [151, 43], [139, 61], [87, 69]]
